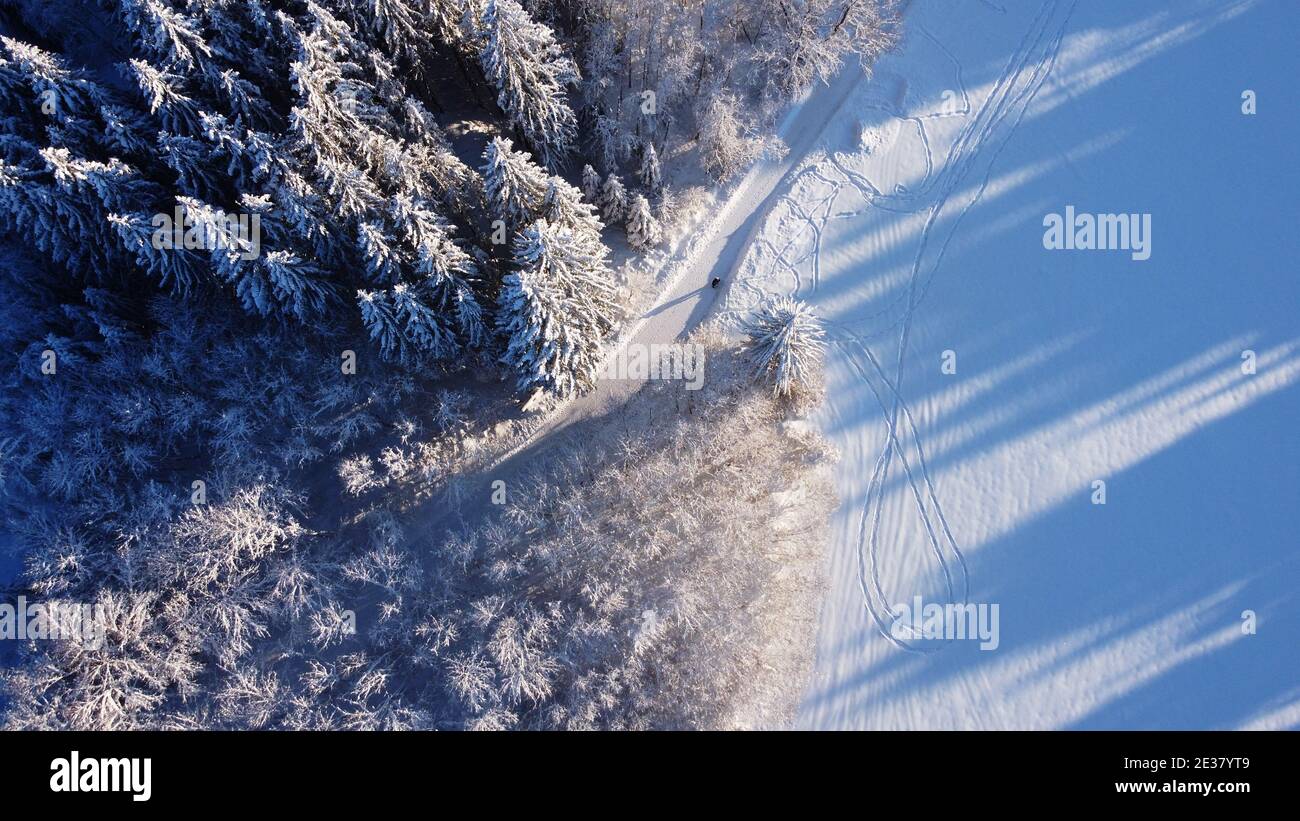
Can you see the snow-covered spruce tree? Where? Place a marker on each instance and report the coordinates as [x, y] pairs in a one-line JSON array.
[[642, 228], [523, 60], [590, 185], [556, 308], [513, 185], [785, 344], [563, 205], [406, 29], [519, 192], [432, 309], [650, 173], [63, 202], [613, 200]]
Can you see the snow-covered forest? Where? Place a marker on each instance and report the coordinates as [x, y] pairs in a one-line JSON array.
[[276, 273], [596, 364]]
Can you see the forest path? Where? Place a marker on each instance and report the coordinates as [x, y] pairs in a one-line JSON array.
[[687, 300]]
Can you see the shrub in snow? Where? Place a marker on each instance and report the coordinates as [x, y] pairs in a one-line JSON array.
[[358, 474], [784, 344], [451, 413]]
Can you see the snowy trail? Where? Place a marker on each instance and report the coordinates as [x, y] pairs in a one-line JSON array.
[[975, 486], [1038, 63], [687, 300], [716, 252]]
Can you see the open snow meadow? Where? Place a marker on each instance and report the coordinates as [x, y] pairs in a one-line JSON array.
[[1083, 426]]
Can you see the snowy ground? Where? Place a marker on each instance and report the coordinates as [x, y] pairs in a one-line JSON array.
[[919, 231], [715, 248]]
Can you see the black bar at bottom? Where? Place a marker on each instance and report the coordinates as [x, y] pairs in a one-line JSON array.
[[216, 771]]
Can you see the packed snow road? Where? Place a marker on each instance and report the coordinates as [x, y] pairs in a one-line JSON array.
[[716, 252], [1084, 459]]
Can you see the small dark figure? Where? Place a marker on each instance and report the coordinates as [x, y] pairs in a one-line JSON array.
[[716, 280]]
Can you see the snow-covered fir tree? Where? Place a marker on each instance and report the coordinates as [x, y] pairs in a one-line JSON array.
[[785, 344], [530, 70], [643, 230], [613, 200], [590, 185], [608, 141], [563, 205], [650, 173], [513, 185], [556, 308]]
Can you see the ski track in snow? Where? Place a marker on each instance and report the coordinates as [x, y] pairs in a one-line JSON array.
[[874, 346], [1033, 59]]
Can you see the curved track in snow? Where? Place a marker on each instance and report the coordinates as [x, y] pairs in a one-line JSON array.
[[990, 126]]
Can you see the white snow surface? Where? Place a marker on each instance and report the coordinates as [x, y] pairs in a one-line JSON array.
[[909, 212], [715, 249], [911, 217]]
